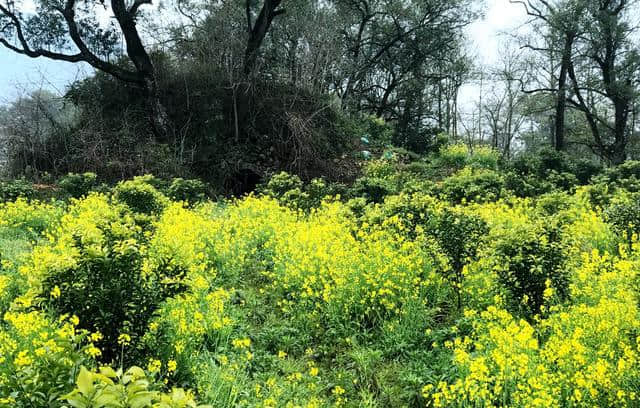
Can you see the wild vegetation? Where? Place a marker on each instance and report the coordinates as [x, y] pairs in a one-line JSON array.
[[436, 282], [288, 204]]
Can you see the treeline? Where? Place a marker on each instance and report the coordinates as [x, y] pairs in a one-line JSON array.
[[567, 78], [234, 91], [238, 90]]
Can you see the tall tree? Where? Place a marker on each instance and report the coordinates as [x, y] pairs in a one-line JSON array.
[[606, 76], [401, 60], [558, 24], [504, 106]]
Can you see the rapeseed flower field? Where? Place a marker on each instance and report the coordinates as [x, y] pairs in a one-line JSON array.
[[411, 301]]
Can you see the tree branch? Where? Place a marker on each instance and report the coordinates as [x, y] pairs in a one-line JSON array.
[[24, 48], [69, 16], [133, 10]]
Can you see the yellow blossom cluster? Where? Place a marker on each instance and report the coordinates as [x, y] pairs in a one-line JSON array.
[[583, 354]]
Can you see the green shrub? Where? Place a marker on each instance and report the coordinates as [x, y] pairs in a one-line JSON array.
[[624, 214], [627, 170], [626, 176], [562, 180], [291, 192], [78, 185], [108, 388], [377, 132], [419, 169], [526, 185], [597, 194], [408, 214], [279, 184], [287, 189], [39, 359], [382, 178], [552, 203], [14, 189], [540, 163], [457, 156], [191, 191], [32, 218], [454, 157], [140, 195], [530, 258], [319, 190], [357, 206], [525, 164], [372, 189], [551, 159], [95, 268], [484, 158], [584, 170], [459, 235], [470, 185]]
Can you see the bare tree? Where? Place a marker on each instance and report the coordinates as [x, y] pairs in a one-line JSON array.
[[503, 107]]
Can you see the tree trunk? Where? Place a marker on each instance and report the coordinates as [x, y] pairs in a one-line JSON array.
[[617, 153], [561, 100], [159, 117], [619, 147], [144, 66], [258, 32]]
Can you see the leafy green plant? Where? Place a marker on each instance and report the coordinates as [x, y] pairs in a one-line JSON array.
[[624, 214], [279, 184], [33, 218], [78, 185], [14, 189], [460, 236], [108, 388], [376, 130], [101, 274], [562, 180], [39, 358], [552, 203], [526, 185], [472, 186], [291, 192], [191, 191], [140, 195], [597, 194], [585, 170], [529, 259], [406, 214], [454, 157], [630, 169], [380, 178]]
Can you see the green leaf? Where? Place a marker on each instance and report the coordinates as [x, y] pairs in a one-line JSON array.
[[107, 399], [85, 382], [77, 401], [135, 372], [142, 399], [108, 371]]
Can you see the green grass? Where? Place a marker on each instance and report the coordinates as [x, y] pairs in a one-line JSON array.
[[14, 243]]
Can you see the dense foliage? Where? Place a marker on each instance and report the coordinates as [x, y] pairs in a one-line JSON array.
[[316, 294]]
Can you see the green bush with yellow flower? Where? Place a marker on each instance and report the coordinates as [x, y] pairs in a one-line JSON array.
[[413, 297]]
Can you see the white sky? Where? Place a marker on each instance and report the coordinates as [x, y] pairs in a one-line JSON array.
[[487, 36], [19, 74], [501, 16]]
